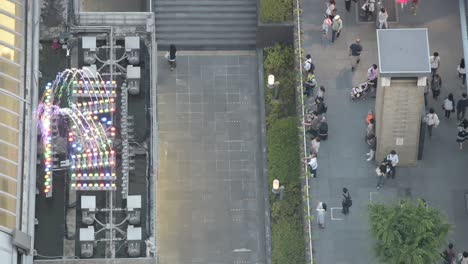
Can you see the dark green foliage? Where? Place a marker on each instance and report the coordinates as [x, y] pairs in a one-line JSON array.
[[279, 61], [276, 11], [408, 232], [286, 215]]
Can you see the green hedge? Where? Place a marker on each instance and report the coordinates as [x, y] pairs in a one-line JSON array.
[[286, 215], [276, 11], [279, 61]]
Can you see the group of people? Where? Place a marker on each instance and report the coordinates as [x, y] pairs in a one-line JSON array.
[[450, 256]]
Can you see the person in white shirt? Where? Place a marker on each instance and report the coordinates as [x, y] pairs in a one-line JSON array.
[[312, 164], [315, 145], [321, 211], [432, 120], [383, 16], [392, 161], [449, 105], [462, 71], [435, 62]]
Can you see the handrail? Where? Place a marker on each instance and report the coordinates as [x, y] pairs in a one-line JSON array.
[[299, 45]]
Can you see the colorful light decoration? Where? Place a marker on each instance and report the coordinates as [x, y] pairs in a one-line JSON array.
[[91, 131]]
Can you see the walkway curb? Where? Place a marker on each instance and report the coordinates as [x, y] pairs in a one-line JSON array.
[[264, 174]]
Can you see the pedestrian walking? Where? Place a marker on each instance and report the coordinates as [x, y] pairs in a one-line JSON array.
[[323, 129], [308, 65], [392, 161], [337, 26], [434, 60], [381, 171], [346, 201], [426, 91], [461, 107], [432, 120], [355, 50], [321, 211], [436, 85], [372, 143], [462, 71], [383, 16], [450, 255], [464, 258], [320, 93], [172, 56], [348, 5], [369, 9], [315, 145], [462, 134], [414, 6], [326, 24], [312, 164], [370, 130], [370, 115], [372, 77], [331, 8], [449, 105]]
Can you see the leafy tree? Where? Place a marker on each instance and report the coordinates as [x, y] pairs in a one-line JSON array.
[[408, 232]]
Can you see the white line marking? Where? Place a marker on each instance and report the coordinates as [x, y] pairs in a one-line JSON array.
[[370, 195], [335, 208]]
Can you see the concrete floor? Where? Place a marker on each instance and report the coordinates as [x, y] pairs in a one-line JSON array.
[[210, 207]]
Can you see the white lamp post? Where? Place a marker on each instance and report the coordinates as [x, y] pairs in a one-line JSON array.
[[277, 188], [273, 85]]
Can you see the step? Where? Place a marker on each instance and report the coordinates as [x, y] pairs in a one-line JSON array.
[[164, 43], [182, 22], [205, 9], [213, 36], [205, 28], [159, 3], [212, 16]]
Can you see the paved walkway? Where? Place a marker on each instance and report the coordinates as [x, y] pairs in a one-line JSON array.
[[439, 178], [210, 200]]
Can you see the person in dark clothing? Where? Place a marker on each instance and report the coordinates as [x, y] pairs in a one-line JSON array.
[[346, 202], [172, 56], [461, 107], [323, 129], [321, 107], [355, 51]]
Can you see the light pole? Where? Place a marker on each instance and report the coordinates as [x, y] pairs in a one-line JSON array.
[[277, 189], [273, 85]]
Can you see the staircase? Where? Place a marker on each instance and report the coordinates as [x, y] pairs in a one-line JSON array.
[[206, 24]]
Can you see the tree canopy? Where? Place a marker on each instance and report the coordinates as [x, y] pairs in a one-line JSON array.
[[408, 232]]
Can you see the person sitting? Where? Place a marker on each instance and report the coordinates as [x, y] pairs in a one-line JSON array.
[[312, 123], [323, 129], [321, 108], [310, 84]]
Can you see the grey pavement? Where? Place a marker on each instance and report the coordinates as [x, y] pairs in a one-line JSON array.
[[440, 178], [210, 201]]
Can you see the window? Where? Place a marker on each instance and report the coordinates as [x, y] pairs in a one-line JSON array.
[[8, 169], [8, 203], [8, 151], [10, 69], [8, 186], [7, 220], [9, 119], [8, 135], [10, 23], [11, 8], [8, 84], [9, 103]]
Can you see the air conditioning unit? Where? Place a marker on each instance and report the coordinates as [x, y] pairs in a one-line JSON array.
[[88, 44], [132, 49], [133, 241], [88, 209], [134, 209], [87, 242]]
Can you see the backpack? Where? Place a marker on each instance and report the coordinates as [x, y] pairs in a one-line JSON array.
[[348, 201]]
